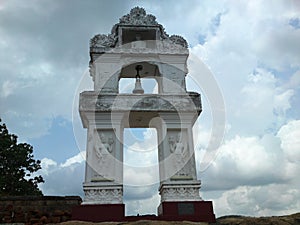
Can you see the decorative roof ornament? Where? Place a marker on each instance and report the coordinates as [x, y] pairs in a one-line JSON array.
[[179, 40], [136, 17], [103, 40]]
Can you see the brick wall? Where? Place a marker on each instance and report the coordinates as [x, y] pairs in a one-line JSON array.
[[37, 209]]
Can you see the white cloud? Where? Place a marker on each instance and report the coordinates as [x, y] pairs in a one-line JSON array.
[[282, 101], [238, 48], [273, 199], [140, 176], [144, 206], [289, 135], [244, 161], [144, 148], [79, 158], [141, 157], [277, 44], [65, 178], [256, 176], [263, 99], [45, 58], [8, 88], [258, 101], [48, 165], [295, 80]]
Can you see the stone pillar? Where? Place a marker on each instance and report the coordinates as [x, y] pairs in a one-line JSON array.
[[103, 181], [107, 70], [172, 81], [180, 185]]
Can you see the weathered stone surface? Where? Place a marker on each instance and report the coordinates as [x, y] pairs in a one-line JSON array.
[[37, 209], [58, 213], [56, 219], [93, 101], [43, 219]]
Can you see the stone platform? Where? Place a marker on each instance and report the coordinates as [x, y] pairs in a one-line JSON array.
[[37, 209], [99, 213], [196, 211]]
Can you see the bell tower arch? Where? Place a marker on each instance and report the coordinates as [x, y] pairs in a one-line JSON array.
[[138, 47]]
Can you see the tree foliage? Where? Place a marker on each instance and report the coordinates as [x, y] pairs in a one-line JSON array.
[[17, 166]]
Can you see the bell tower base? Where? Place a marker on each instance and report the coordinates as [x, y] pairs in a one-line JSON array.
[[197, 211], [99, 213]]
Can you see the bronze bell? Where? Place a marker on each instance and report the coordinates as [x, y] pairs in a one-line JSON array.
[[138, 85]]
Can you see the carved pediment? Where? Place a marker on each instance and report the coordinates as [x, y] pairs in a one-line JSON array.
[[136, 18]]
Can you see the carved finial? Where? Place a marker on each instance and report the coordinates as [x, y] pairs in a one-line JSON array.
[[138, 11], [138, 16]]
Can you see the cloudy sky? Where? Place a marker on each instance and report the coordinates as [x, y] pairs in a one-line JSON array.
[[251, 47]]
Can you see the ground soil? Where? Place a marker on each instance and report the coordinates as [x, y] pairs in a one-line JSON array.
[[293, 219]]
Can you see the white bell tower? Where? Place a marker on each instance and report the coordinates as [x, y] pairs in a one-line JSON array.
[[138, 47]]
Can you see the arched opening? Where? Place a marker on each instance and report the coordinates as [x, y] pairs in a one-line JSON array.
[[126, 85], [141, 173], [149, 76]]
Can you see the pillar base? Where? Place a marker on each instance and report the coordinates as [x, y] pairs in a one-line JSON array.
[[197, 211], [99, 213], [180, 190], [102, 193]]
